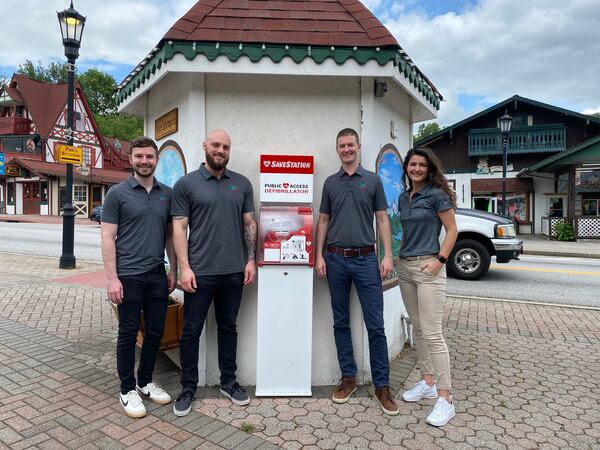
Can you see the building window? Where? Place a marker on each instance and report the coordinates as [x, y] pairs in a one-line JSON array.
[[88, 156], [10, 194], [44, 192], [590, 207], [79, 121], [517, 207], [555, 207], [80, 193]]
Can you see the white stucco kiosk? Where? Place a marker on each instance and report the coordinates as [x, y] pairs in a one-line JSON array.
[[283, 86]]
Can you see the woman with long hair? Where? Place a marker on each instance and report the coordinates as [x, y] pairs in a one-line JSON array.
[[426, 205]]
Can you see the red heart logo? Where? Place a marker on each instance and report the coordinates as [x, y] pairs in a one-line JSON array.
[[267, 163], [286, 185]]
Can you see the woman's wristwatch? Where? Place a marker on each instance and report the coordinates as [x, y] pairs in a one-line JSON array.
[[442, 259]]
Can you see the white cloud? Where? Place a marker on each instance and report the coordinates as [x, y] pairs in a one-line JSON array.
[[543, 50], [591, 110], [118, 31]]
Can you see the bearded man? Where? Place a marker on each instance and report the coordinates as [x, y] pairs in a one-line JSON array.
[[216, 261], [136, 227]]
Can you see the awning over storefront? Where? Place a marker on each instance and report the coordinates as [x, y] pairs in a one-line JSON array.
[[87, 174], [587, 152], [495, 185]]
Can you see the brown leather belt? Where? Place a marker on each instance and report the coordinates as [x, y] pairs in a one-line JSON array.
[[419, 258], [351, 252]]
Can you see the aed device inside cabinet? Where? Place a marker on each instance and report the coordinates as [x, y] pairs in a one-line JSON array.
[[285, 280]]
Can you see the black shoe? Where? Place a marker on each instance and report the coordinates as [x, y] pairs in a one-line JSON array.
[[236, 394], [183, 405]]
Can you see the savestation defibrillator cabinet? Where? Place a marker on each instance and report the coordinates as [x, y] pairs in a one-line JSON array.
[[285, 280]]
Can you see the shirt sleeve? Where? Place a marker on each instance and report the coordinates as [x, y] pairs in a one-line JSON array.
[[169, 193], [443, 202], [111, 207], [325, 201], [248, 205], [380, 200], [180, 200]]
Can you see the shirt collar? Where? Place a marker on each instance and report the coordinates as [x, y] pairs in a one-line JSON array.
[[207, 175], [424, 190], [133, 182], [359, 171]]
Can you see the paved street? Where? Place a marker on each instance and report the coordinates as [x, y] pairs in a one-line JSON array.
[[525, 376], [574, 281]]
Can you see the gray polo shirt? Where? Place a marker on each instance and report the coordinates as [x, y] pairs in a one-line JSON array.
[[351, 202], [421, 225], [214, 208], [142, 219]]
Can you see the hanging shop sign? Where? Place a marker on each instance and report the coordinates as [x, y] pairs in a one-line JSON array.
[[12, 171], [587, 180], [1, 163], [286, 178], [69, 154], [166, 124]]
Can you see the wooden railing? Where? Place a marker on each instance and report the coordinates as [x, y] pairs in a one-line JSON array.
[[14, 125], [534, 139]]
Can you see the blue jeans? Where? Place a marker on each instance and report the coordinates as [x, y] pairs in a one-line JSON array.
[[364, 272], [226, 290], [148, 292]]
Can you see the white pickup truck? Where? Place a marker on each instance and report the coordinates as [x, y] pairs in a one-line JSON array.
[[481, 235]]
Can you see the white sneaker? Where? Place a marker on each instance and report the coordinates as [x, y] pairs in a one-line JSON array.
[[155, 392], [132, 404], [420, 391], [442, 413]]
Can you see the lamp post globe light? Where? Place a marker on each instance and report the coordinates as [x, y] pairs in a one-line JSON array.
[[505, 124], [71, 29]]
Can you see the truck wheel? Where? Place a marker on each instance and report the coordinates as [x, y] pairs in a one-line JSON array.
[[469, 260]]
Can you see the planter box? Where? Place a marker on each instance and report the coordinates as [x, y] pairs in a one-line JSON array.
[[173, 325]]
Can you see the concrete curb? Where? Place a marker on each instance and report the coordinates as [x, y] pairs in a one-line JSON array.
[[562, 254]]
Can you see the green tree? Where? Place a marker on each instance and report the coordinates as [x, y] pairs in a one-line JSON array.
[[121, 126], [99, 90], [425, 130], [597, 115], [53, 73]]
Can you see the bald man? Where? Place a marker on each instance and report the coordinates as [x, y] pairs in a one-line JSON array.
[[216, 261]]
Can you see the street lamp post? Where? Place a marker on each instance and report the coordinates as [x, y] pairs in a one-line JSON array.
[[505, 124], [71, 29]]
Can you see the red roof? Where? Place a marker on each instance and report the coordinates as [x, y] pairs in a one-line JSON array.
[[14, 94], [44, 101], [322, 22], [102, 176]]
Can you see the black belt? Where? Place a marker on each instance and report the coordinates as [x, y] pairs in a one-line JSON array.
[[419, 258], [351, 252]]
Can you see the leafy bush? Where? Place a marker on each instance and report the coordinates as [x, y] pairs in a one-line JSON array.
[[564, 231]]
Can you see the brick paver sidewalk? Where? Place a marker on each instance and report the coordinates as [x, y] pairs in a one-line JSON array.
[[525, 376]]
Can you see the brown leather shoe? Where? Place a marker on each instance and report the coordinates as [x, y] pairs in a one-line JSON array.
[[346, 389], [387, 402]]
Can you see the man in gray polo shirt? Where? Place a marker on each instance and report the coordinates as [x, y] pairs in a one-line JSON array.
[[345, 254], [216, 261], [136, 227]]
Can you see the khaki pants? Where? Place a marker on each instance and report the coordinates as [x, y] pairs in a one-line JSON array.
[[424, 297]]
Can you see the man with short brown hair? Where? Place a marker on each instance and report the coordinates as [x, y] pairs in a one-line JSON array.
[[136, 227], [345, 234]]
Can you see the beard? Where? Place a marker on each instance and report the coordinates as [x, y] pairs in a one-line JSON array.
[[144, 172], [214, 164]]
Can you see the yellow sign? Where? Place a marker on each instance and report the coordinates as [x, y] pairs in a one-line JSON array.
[[12, 171], [69, 154], [166, 124]]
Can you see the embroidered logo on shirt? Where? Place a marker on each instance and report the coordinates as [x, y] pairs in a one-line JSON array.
[[233, 187], [362, 185], [163, 197]]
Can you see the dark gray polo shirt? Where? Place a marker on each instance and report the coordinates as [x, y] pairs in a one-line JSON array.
[[351, 202], [214, 208], [142, 219], [421, 225]]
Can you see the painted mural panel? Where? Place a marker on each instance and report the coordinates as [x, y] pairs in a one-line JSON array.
[[171, 164], [389, 169]]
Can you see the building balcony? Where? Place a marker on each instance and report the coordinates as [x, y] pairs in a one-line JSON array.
[[28, 145], [534, 139], [14, 125]]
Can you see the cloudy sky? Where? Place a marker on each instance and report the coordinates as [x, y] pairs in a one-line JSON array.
[[476, 52]]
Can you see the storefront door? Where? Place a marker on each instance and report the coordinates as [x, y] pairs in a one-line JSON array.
[[31, 198]]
